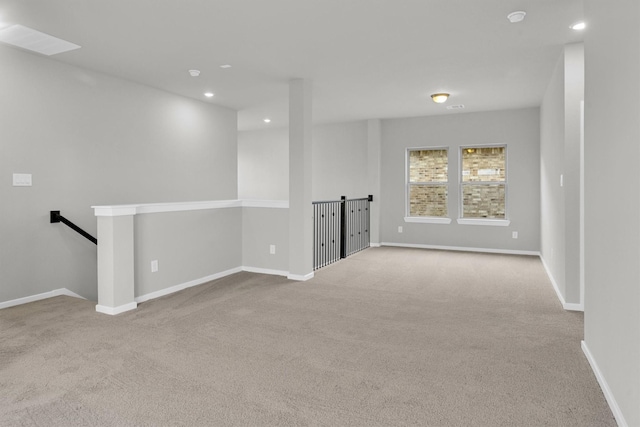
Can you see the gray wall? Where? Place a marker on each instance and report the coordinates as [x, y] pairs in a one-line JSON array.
[[339, 162], [560, 155], [187, 245], [262, 227], [519, 129], [89, 139], [612, 199]]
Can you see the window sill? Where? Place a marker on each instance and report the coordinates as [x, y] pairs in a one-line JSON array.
[[478, 221], [427, 220]]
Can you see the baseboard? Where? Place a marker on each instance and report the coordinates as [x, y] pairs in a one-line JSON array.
[[617, 413], [375, 245], [116, 310], [565, 305], [265, 271], [462, 249], [176, 288], [300, 278], [38, 297]]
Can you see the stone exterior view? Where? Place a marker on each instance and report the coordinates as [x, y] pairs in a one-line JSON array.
[[483, 182], [428, 177]]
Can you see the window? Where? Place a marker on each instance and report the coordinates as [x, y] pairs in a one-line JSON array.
[[427, 181], [484, 182]]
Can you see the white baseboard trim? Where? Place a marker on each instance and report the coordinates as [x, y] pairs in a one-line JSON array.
[[567, 306], [265, 271], [189, 284], [300, 278], [116, 310], [375, 245], [38, 297], [617, 413], [462, 249]]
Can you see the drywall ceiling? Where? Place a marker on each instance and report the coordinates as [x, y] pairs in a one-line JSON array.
[[367, 58]]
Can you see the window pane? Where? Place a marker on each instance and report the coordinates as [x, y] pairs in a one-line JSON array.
[[428, 200], [428, 166], [483, 201], [483, 164]]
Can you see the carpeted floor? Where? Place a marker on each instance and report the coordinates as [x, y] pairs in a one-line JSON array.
[[388, 337]]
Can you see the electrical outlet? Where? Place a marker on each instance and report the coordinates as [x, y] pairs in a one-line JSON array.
[[272, 249], [514, 234], [399, 229], [154, 266]]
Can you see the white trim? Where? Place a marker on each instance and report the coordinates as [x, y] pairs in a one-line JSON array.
[[277, 204], [299, 277], [427, 219], [38, 297], [565, 305], [375, 245], [611, 400], [265, 271], [581, 262], [123, 210], [476, 221], [189, 284], [116, 310], [462, 249]]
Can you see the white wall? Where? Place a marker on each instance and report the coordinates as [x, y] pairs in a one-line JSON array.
[[612, 201], [339, 162], [519, 129], [90, 139], [552, 152]]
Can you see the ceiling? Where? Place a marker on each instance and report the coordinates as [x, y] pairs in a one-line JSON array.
[[367, 58]]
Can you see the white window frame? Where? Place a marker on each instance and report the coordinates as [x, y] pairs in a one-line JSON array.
[[407, 185], [499, 222]]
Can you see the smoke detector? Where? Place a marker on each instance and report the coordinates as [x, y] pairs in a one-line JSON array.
[[194, 73], [517, 16]]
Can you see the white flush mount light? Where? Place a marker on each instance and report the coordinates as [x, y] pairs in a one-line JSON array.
[[267, 120], [194, 73], [439, 98], [225, 66], [579, 26], [208, 94], [517, 16]]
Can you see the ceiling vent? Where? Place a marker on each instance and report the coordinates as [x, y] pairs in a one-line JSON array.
[[455, 107], [35, 41]]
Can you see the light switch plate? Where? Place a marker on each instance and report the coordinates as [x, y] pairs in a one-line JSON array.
[[22, 180]]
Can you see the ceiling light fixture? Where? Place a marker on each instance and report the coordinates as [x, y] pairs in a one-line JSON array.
[[225, 66], [35, 41], [517, 16], [267, 120], [439, 98], [194, 73], [579, 26], [208, 94]]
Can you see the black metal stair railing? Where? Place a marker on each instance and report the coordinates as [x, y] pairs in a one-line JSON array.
[[341, 228], [56, 217]]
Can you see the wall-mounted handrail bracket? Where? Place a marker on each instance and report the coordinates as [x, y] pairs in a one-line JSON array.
[[54, 216]]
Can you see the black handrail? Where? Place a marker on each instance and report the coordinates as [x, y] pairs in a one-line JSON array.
[[56, 217]]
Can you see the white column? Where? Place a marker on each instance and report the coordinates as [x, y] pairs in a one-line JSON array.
[[115, 261], [373, 177], [300, 208]]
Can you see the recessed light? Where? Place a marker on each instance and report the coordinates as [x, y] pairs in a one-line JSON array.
[[194, 73], [208, 94], [267, 120], [579, 26], [225, 66], [517, 16], [439, 98]]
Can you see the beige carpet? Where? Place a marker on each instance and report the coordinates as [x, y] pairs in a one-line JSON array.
[[388, 337]]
